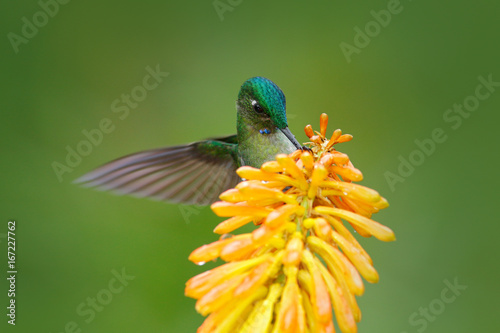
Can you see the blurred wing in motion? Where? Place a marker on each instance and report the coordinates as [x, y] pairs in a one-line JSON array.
[[192, 174]]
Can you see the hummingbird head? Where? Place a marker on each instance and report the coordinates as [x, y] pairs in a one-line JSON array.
[[263, 103]]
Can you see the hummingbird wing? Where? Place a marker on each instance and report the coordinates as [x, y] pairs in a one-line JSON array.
[[192, 174]]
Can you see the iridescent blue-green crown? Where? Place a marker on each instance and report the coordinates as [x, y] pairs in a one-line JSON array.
[[269, 96]]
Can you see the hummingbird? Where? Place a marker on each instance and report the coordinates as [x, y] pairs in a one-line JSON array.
[[199, 172]]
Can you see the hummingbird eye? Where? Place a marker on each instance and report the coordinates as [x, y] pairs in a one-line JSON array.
[[257, 108]]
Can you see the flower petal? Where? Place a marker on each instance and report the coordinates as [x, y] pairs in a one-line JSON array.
[[376, 229], [232, 224], [227, 209], [337, 262], [261, 316]]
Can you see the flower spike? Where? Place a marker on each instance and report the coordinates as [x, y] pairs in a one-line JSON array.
[[301, 267]]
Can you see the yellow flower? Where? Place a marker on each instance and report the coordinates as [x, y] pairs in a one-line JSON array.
[[301, 264]]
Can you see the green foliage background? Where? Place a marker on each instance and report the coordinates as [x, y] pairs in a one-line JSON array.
[[395, 91]]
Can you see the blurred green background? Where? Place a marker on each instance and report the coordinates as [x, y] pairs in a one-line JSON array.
[[395, 90]]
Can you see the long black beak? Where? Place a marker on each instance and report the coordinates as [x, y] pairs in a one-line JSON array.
[[291, 137]]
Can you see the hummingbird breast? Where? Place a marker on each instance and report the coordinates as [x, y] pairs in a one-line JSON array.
[[257, 148]]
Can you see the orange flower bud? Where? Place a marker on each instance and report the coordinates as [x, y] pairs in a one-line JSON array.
[[323, 123], [309, 131]]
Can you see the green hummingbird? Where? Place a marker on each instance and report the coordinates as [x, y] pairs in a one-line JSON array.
[[198, 172]]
